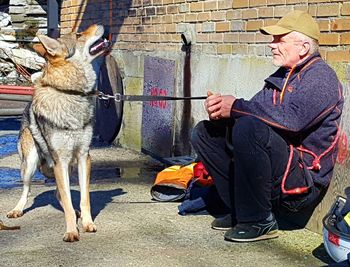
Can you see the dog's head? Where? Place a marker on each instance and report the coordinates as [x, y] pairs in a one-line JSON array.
[[86, 45]]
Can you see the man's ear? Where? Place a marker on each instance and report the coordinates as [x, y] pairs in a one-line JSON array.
[[51, 45], [305, 49]]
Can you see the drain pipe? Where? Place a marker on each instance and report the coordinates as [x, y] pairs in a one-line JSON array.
[[184, 146]]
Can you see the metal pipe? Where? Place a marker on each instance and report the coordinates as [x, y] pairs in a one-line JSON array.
[[16, 90], [11, 111], [22, 98]]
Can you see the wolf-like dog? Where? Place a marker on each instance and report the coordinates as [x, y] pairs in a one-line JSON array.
[[56, 127]]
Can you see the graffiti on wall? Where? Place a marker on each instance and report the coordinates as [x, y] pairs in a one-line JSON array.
[[158, 115]]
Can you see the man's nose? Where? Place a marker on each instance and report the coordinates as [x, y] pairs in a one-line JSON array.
[[272, 45]]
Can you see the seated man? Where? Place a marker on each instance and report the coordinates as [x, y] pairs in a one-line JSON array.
[[278, 148]]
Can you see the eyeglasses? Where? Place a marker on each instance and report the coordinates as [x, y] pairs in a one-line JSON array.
[[291, 42], [283, 42]]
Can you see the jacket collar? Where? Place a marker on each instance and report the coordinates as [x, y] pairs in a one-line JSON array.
[[277, 79]]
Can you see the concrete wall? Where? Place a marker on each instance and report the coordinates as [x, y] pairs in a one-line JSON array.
[[227, 74]]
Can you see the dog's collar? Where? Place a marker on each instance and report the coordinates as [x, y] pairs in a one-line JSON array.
[[71, 92]]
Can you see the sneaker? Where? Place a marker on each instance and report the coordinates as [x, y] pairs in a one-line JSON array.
[[222, 223], [248, 232]]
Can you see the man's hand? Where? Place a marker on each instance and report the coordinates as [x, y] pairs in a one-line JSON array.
[[218, 106]]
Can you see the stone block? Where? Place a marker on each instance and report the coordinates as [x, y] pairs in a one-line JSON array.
[[18, 2], [16, 9], [36, 10]]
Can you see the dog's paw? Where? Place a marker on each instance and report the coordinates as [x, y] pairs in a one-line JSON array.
[[71, 237], [90, 228], [14, 214]]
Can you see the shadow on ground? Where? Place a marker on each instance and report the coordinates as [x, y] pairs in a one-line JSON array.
[[99, 198], [321, 254]]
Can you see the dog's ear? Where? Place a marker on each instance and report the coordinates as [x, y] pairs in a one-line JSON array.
[[40, 49], [51, 46]]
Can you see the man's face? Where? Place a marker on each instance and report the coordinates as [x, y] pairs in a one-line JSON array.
[[286, 50]]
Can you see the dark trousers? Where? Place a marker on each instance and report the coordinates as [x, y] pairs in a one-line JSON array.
[[247, 161]]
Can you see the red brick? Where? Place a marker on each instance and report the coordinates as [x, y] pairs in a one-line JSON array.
[[224, 4], [233, 14], [210, 5], [276, 2], [222, 26], [340, 25], [202, 38], [240, 3], [345, 38], [338, 56], [324, 25], [191, 17], [241, 49], [247, 37], [254, 25], [345, 9], [218, 15], [265, 12], [329, 39], [216, 37], [204, 16], [196, 6], [231, 37], [328, 10], [253, 3], [251, 13]]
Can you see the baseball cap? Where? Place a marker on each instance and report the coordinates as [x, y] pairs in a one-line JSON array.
[[296, 20]]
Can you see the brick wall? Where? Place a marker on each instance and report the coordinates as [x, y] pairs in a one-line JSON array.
[[221, 26]]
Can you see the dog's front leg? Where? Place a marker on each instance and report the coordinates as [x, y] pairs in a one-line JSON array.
[[84, 165], [62, 180]]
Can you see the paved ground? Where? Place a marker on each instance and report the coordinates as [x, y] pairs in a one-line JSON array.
[[133, 230]]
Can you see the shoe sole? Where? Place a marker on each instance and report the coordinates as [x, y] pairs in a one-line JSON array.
[[221, 228], [270, 235]]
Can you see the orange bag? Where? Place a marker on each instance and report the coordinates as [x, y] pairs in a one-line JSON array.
[[172, 183]]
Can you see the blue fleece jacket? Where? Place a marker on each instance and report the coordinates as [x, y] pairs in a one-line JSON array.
[[303, 104]]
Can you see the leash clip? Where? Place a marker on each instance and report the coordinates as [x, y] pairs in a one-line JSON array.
[[117, 97], [103, 96]]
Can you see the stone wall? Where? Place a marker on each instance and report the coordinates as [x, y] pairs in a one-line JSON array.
[[20, 21], [27, 18]]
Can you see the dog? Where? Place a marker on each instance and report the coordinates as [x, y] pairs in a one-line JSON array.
[[56, 128]]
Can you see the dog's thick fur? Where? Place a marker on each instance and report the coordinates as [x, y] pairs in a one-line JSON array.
[[56, 127]]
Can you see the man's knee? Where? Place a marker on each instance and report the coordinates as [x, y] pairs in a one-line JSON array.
[[249, 130], [208, 130]]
